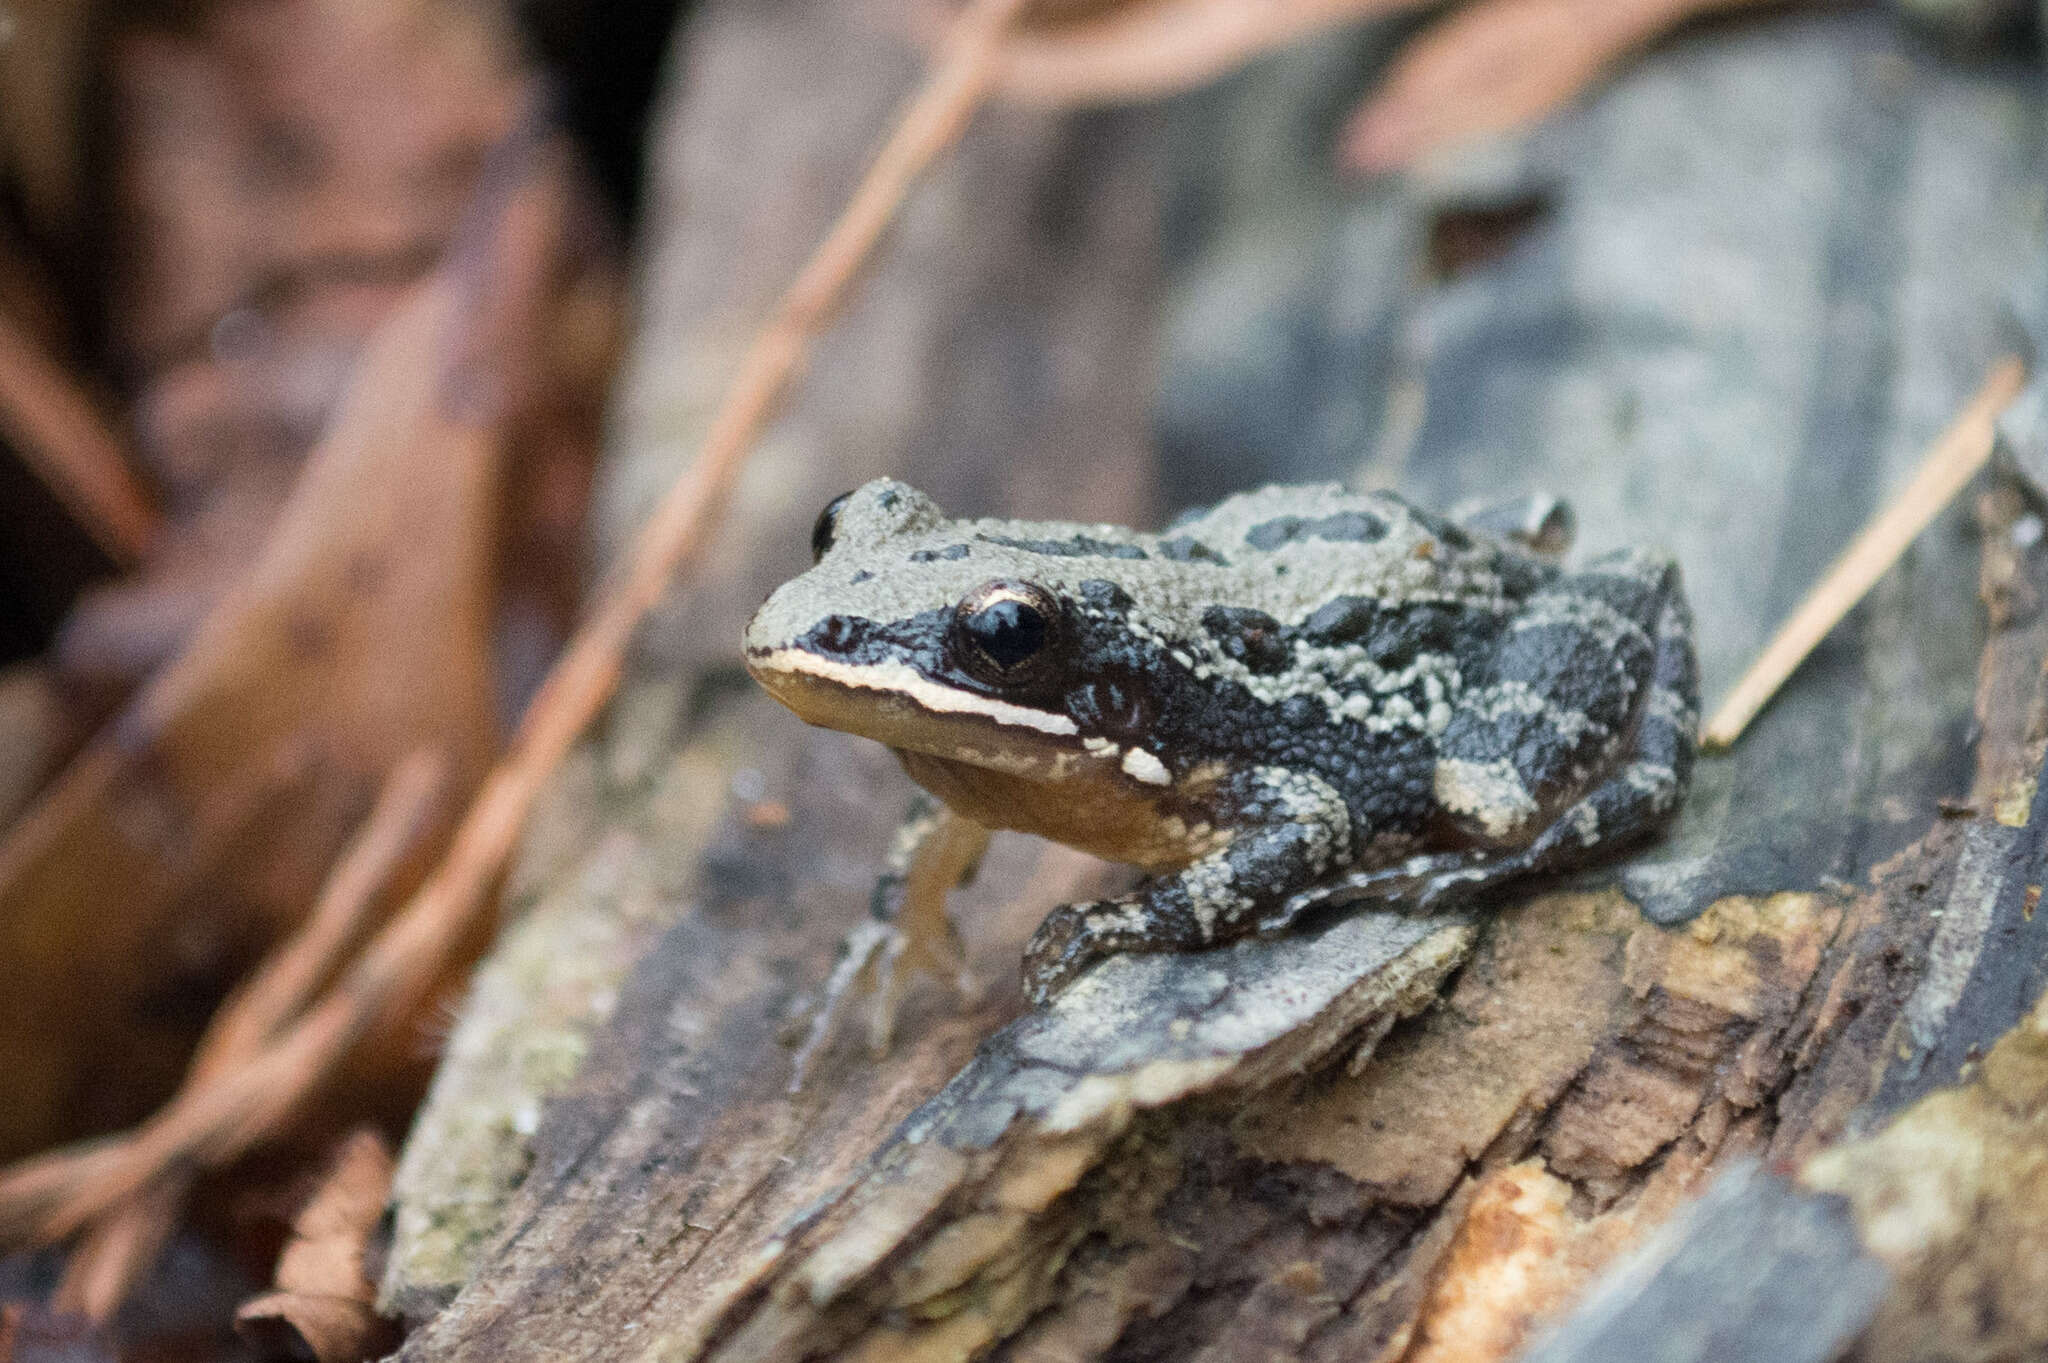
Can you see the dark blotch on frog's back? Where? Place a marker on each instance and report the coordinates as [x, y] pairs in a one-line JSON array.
[[1447, 532], [947, 554], [1341, 620], [1393, 636], [1188, 549], [1401, 634], [1074, 546], [1250, 636], [1354, 527], [1100, 594]]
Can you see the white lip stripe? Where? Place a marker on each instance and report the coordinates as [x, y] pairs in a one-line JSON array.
[[903, 680]]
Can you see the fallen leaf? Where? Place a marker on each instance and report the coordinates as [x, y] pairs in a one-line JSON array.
[[324, 1305], [45, 51], [193, 833], [1497, 65]]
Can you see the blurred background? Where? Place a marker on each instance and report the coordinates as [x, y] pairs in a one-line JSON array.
[[344, 344]]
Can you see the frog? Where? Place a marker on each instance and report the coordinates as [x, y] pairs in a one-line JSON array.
[[1302, 696]]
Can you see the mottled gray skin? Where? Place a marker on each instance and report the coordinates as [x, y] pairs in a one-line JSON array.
[[1302, 695]]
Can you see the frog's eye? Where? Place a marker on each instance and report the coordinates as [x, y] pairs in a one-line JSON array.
[[827, 526], [1005, 633]]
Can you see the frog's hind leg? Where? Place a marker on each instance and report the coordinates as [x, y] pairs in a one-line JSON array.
[[1569, 699], [1649, 765], [1295, 829], [935, 850], [1656, 767]]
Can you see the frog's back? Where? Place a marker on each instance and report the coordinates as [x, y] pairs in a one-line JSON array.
[[1292, 550]]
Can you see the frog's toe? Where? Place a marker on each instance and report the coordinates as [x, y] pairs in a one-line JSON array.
[[945, 956], [870, 948], [887, 995], [1066, 943]]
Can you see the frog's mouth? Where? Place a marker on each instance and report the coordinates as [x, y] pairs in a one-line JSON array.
[[893, 703]]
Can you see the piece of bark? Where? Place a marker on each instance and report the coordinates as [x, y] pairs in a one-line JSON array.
[[1737, 991], [1917, 1239]]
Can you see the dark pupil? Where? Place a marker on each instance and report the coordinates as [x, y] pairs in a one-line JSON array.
[[828, 523], [1007, 632]]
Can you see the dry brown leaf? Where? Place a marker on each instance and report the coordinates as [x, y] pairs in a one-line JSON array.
[[1488, 67], [365, 612], [285, 173], [1497, 65], [108, 1261], [45, 51], [194, 833], [324, 1306]]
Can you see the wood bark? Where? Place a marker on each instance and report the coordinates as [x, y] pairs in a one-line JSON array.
[[1721, 308]]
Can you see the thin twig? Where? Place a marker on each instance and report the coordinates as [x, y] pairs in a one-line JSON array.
[[115, 1253], [61, 437], [1153, 48], [1951, 462], [293, 977], [55, 1195]]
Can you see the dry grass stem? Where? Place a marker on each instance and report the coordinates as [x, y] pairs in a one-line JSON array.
[[62, 438], [1950, 463], [293, 977], [1150, 48], [115, 1252]]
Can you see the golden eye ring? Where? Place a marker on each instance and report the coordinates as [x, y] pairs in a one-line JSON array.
[[1007, 633]]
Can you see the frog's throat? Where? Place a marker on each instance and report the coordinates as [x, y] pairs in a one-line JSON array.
[[887, 700]]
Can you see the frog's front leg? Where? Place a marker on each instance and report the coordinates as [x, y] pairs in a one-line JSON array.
[[1290, 828], [907, 925]]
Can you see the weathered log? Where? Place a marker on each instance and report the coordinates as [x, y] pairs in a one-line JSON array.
[[1723, 307]]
